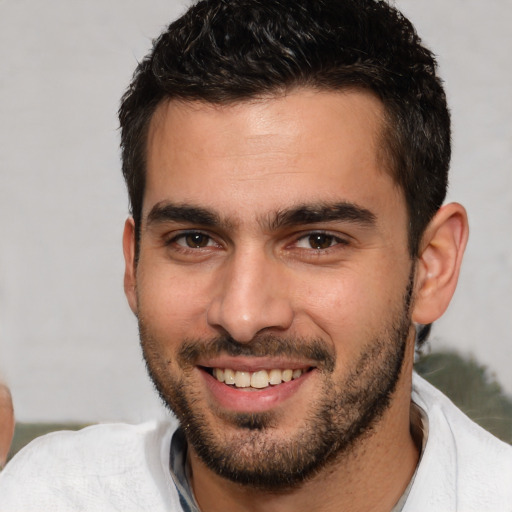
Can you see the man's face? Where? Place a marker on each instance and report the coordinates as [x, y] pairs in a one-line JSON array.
[[273, 286]]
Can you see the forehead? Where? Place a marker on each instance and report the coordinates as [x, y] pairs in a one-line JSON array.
[[268, 152]]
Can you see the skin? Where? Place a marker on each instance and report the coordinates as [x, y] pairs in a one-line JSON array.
[[6, 423], [245, 162]]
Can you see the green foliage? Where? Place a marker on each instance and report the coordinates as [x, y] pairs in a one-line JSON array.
[[470, 386]]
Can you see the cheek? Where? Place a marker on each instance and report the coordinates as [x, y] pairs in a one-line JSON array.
[[351, 308], [173, 305], [340, 312]]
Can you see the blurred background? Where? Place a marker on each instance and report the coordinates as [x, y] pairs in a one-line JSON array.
[[68, 341]]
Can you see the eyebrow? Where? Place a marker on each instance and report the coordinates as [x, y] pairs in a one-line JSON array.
[[169, 212], [323, 212], [298, 215]]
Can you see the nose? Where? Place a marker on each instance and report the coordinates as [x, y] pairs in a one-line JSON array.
[[251, 296]]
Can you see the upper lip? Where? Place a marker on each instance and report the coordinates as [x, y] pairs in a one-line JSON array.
[[254, 364]]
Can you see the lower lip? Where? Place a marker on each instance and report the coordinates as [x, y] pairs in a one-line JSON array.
[[252, 400]]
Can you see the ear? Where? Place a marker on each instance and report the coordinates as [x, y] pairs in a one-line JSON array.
[[440, 258], [130, 264]]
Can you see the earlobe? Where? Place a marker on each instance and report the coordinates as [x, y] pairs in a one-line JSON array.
[[130, 265], [439, 262]]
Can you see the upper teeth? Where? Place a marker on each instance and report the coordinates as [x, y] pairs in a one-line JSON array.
[[259, 379]]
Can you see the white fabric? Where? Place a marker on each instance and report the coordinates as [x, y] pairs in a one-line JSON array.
[[126, 468], [463, 468], [101, 468]]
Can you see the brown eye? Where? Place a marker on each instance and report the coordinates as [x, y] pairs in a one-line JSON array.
[[320, 241], [196, 240]]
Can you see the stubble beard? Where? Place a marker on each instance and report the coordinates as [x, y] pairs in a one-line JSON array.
[[251, 451]]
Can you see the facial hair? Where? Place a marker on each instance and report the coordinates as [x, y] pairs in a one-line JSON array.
[[250, 452]]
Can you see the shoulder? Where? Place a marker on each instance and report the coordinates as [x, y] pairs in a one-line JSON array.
[[102, 467], [92, 445], [462, 463]]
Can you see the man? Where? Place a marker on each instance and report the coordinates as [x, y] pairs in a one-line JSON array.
[[6, 423], [287, 165]]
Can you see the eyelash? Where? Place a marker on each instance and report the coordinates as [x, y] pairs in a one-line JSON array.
[[184, 234], [332, 240]]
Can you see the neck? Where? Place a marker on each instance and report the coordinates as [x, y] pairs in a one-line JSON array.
[[371, 477]]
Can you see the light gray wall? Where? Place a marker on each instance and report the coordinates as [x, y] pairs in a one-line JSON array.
[[68, 343]]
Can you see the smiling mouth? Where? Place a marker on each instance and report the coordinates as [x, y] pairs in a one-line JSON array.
[[260, 379]]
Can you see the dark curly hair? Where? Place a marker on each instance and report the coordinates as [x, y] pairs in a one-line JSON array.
[[224, 51]]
